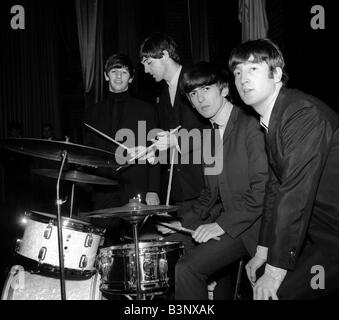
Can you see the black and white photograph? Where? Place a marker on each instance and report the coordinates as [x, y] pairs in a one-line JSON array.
[[165, 155]]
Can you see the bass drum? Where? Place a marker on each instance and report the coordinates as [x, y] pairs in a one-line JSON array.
[[117, 267], [39, 244], [23, 285]]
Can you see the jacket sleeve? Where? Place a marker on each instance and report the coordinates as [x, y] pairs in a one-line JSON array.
[[249, 204], [304, 139]]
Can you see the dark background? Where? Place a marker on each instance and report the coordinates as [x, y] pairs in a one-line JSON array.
[[40, 66]]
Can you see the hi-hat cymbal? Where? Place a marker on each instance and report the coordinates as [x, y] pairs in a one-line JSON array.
[[75, 176], [53, 150], [131, 209]]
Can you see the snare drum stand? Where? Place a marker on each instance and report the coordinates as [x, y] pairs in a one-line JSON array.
[[59, 202]]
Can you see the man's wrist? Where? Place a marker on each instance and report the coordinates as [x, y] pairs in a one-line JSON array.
[[261, 252], [275, 272]]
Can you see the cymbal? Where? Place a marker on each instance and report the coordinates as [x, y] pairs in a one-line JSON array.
[[130, 210], [52, 150], [75, 176]]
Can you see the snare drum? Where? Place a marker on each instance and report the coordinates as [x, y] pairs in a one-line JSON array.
[[117, 267], [23, 285], [81, 241]]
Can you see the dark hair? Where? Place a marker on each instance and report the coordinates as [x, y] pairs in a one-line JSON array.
[[119, 60], [154, 45], [204, 74], [262, 50]]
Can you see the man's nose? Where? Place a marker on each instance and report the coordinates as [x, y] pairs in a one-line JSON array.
[[200, 96], [119, 74], [243, 77]]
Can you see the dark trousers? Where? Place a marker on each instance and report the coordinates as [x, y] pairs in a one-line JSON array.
[[201, 262]]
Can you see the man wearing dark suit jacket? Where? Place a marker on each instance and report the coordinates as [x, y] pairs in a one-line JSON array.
[[120, 111], [299, 236], [230, 204], [159, 55]]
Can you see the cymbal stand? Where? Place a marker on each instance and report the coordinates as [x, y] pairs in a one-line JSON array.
[[72, 201], [60, 239], [137, 259]]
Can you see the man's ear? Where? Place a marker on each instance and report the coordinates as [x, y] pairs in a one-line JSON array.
[[277, 74], [165, 55], [130, 80], [106, 76], [225, 91]]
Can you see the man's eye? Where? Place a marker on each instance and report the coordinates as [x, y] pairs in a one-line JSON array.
[[192, 94]]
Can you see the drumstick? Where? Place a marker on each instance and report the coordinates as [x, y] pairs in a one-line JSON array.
[[107, 137], [151, 146], [170, 178], [181, 229]]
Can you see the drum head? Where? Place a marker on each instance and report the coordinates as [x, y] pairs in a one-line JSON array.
[[70, 223]]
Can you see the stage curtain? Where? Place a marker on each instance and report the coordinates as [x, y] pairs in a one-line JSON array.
[[198, 30], [89, 15], [29, 75], [252, 15]]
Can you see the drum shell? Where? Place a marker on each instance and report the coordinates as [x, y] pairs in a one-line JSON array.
[[23, 285], [40, 242], [117, 267]]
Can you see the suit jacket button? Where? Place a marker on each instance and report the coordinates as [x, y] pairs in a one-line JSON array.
[[292, 253]]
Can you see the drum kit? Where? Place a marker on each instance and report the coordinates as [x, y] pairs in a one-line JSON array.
[[58, 247]]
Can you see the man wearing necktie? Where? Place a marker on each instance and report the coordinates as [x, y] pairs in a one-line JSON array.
[[230, 204], [299, 236]]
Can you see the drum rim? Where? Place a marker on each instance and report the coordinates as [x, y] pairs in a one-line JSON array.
[[73, 224], [172, 245]]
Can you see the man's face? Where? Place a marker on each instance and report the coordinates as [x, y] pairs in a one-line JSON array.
[[155, 67], [208, 100], [254, 83], [119, 79]]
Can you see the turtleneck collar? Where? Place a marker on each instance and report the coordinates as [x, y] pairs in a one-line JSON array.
[[121, 96]]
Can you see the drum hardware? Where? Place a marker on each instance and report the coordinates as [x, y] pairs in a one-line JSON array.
[[38, 247], [134, 212], [76, 177], [61, 151], [117, 267]]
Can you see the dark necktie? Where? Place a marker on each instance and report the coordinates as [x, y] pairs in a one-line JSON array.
[[214, 132]]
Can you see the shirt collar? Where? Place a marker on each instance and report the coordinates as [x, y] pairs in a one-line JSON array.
[[174, 81], [221, 118], [265, 118]]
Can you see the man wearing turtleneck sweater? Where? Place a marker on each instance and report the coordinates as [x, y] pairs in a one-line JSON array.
[[159, 55], [122, 111]]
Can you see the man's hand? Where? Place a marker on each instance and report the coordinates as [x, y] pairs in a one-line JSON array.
[[267, 286], [165, 230], [152, 199], [140, 153], [206, 232], [252, 266], [166, 140]]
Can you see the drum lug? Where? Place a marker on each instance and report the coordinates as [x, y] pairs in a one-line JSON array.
[[88, 241], [83, 262], [163, 268], [48, 231], [42, 254]]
